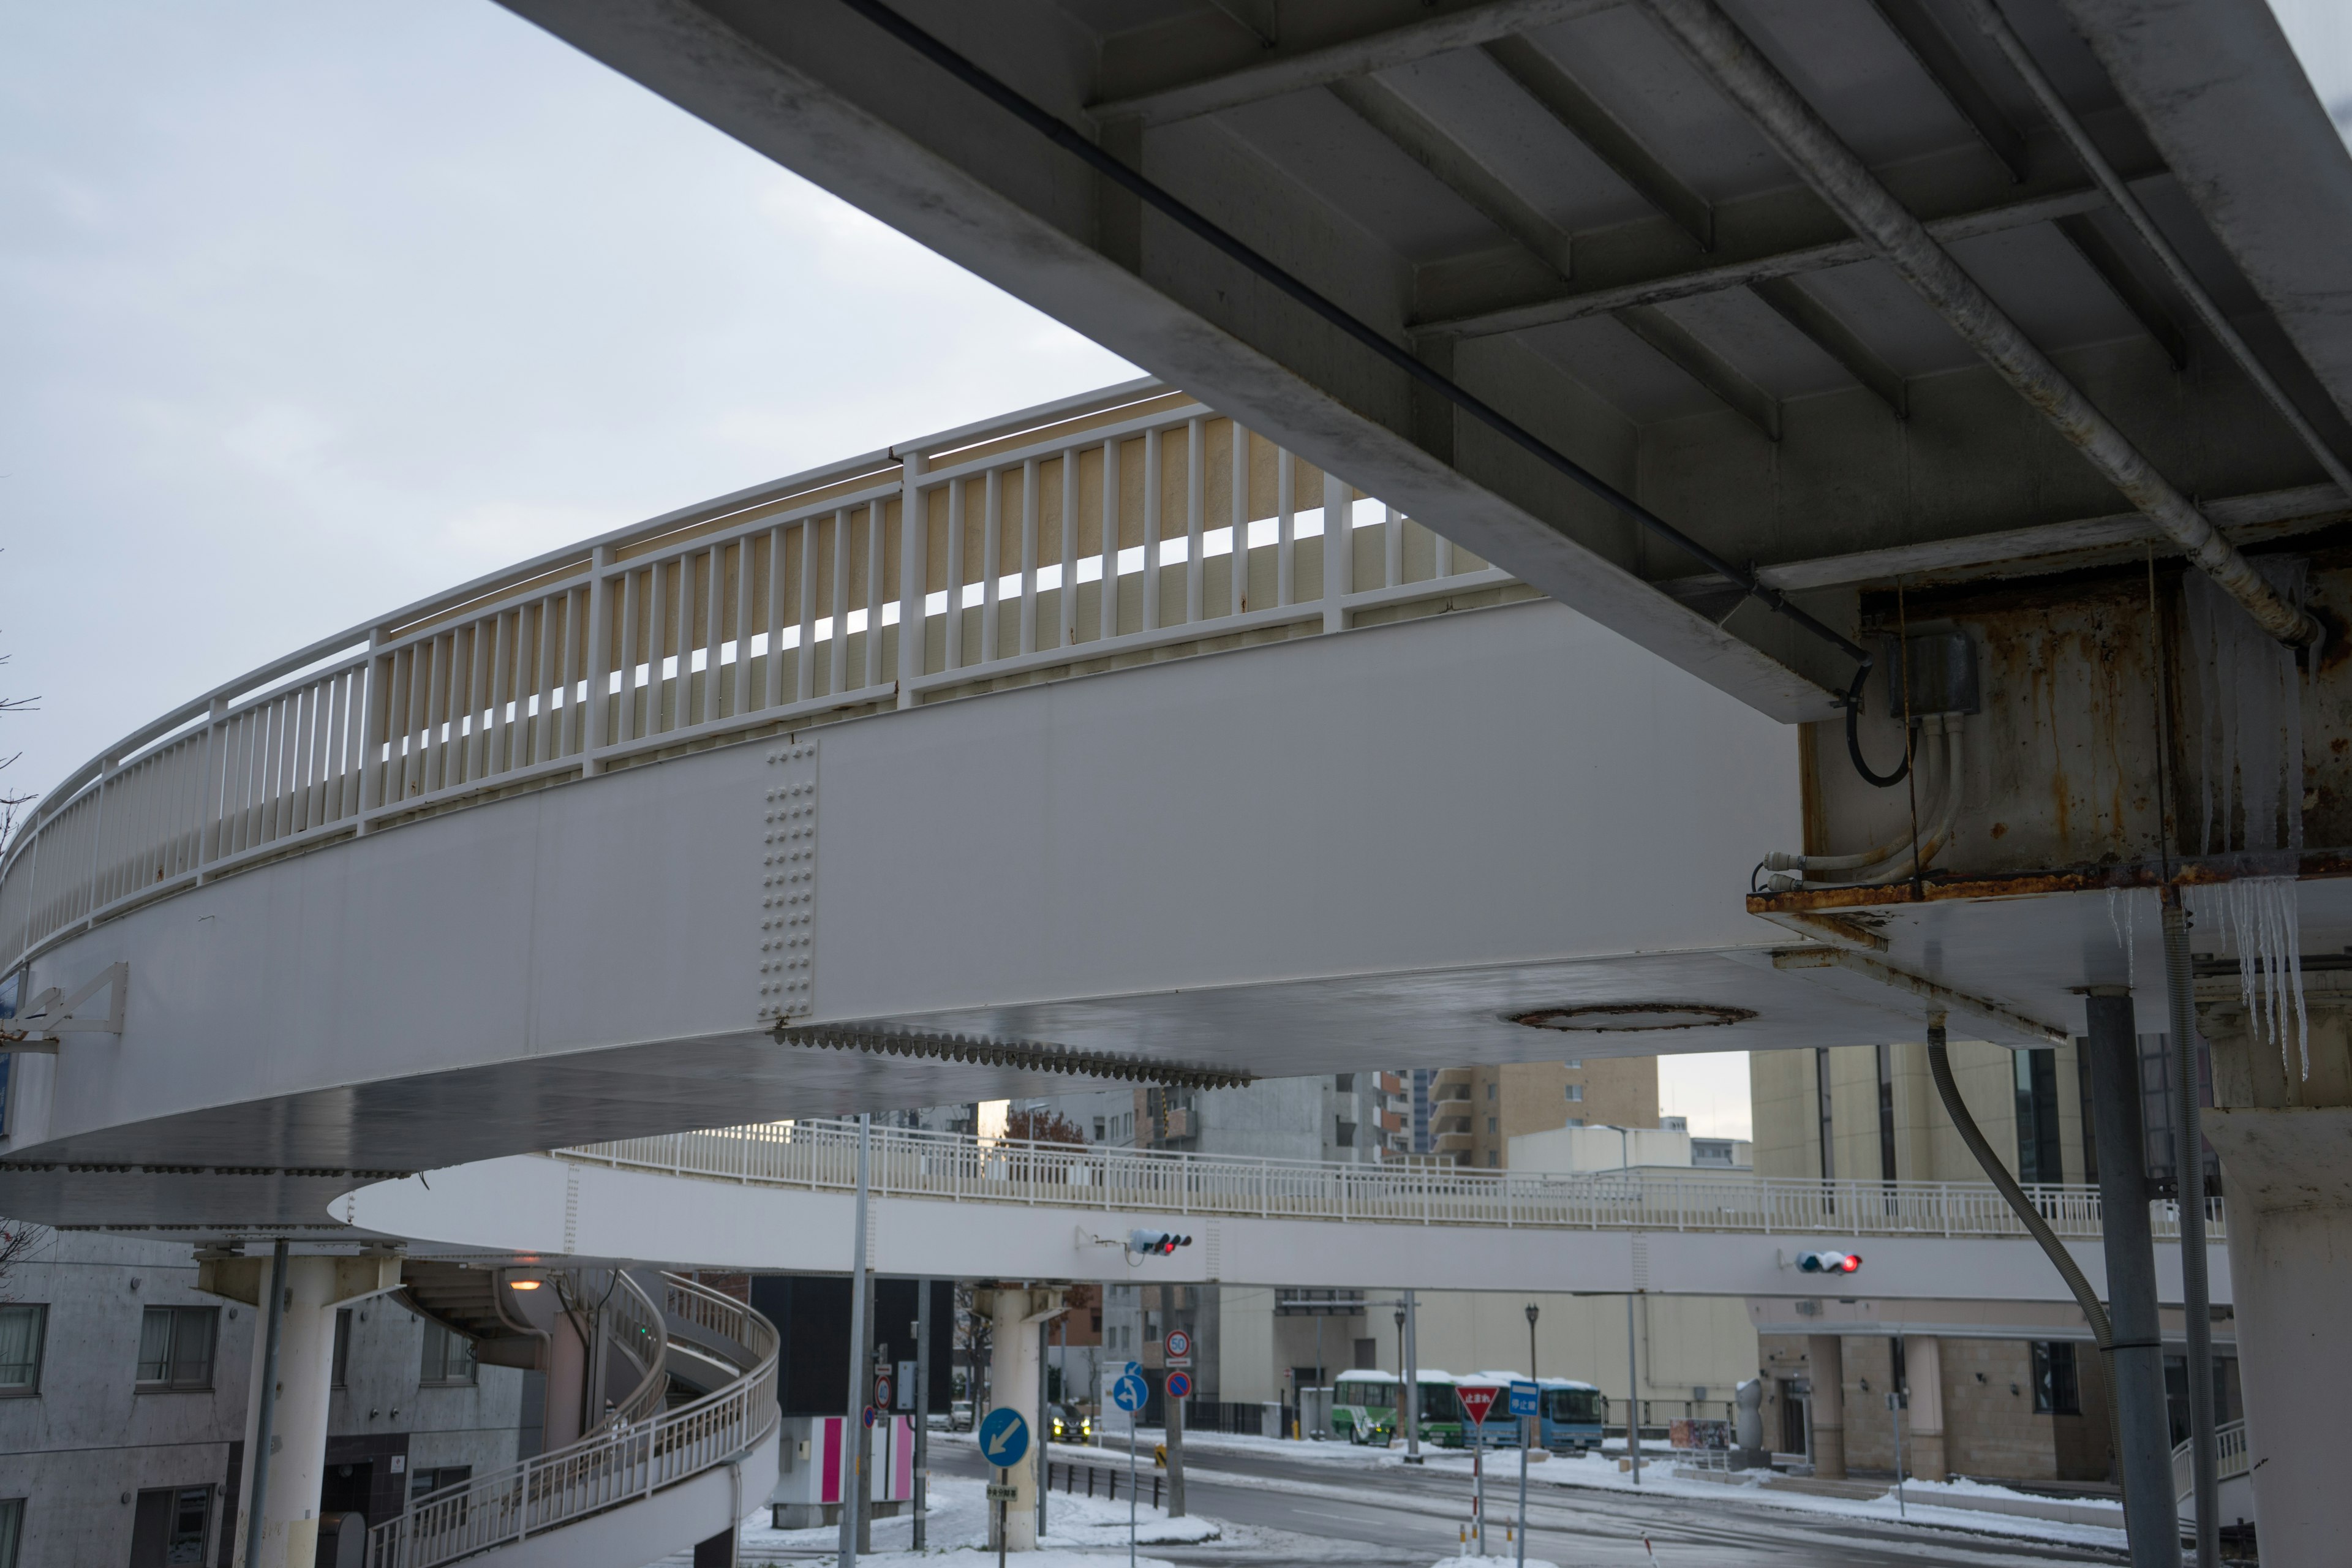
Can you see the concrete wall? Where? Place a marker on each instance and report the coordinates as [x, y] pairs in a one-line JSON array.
[[82, 1450], [1687, 1342]]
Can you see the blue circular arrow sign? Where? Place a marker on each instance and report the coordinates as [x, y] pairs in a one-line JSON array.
[[1004, 1437], [1131, 1393]]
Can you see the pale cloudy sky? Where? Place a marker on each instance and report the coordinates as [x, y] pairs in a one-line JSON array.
[[311, 309]]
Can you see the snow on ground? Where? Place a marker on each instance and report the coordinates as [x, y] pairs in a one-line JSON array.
[[1081, 1532], [1490, 1562], [1600, 1472]]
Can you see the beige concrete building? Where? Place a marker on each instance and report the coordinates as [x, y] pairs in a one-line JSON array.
[[1474, 1112], [1992, 1408]]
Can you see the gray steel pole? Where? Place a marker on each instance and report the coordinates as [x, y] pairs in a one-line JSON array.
[[2136, 1361], [1634, 1394], [1042, 1464], [273, 1327], [852, 1491], [1412, 1382], [2188, 1161], [922, 1406]]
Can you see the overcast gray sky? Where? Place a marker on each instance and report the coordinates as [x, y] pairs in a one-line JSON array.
[[311, 309]]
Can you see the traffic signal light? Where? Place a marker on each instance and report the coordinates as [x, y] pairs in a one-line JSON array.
[[1829, 1262], [1155, 1242]]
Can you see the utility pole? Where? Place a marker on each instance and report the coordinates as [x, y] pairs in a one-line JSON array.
[[853, 1490], [922, 1405], [1632, 1394], [1412, 1404]]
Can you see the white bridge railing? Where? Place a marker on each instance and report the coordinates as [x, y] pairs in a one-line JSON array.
[[1099, 532], [616, 1467], [823, 1155]]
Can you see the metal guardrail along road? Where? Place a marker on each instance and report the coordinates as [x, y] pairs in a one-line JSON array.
[[822, 1155]]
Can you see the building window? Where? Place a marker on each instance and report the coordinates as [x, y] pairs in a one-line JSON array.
[[2037, 1117], [2055, 1390], [1576, 1094], [342, 1348], [1345, 1135], [22, 1329], [1574, 1064], [170, 1527], [423, 1483], [1345, 1082], [1491, 1124], [175, 1347], [448, 1357], [1493, 1158], [1490, 1091], [1100, 1129], [12, 1525]]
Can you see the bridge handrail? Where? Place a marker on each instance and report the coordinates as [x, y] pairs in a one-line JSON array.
[[627, 1461], [917, 1162], [767, 609], [2230, 1460]]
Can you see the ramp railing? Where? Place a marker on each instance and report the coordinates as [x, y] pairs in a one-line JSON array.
[[1076, 537], [614, 1468], [958, 1167]]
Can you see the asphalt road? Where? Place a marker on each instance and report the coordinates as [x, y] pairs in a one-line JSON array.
[[1411, 1521]]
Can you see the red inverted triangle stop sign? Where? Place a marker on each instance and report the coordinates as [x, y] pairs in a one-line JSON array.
[[1478, 1401]]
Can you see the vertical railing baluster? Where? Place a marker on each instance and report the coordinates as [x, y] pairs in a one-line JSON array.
[[1028, 630], [1107, 617], [876, 532], [1238, 482], [914, 559], [1196, 470], [991, 554], [1285, 526], [1066, 601], [1339, 550], [1153, 475]]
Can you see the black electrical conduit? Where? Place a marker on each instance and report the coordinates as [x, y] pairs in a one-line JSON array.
[[1067, 137]]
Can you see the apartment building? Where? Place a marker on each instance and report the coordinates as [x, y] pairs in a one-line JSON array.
[[123, 1399], [1470, 1115]]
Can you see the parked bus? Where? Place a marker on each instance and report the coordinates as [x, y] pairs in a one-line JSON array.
[[1366, 1406], [1573, 1414]]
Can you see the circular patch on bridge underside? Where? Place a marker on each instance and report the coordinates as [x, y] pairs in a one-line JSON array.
[[1625, 1017]]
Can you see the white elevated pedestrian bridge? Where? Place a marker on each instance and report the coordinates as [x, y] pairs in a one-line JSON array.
[[779, 1197], [548, 859]]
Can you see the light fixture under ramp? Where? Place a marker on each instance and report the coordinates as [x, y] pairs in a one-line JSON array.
[[1028, 1056], [1630, 1017]]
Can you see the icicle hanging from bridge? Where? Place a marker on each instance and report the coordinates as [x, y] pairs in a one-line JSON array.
[[2250, 752]]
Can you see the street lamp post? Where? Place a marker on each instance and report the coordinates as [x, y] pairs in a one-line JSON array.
[[1532, 1311]]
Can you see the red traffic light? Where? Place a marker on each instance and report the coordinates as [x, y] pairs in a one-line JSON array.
[[1829, 1262], [1155, 1242]]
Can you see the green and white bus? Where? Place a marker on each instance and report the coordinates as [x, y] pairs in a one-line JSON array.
[[1366, 1408]]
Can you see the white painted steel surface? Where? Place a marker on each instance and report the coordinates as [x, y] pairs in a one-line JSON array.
[[622, 1467], [745, 614], [1280, 858], [1607, 1234]]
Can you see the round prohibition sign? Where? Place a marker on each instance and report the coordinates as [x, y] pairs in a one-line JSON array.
[[1180, 1343], [1180, 1386]]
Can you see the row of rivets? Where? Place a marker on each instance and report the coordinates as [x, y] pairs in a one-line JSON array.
[[790, 819]]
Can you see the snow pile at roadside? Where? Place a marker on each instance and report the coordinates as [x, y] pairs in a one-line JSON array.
[[1490, 1562], [1081, 1532]]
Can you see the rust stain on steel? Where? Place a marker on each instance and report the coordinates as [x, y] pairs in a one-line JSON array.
[[2315, 867]]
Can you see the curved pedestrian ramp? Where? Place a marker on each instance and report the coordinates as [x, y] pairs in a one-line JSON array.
[[780, 1197], [653, 1475]]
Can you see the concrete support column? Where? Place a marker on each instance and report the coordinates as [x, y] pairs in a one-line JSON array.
[[1825, 1365], [1923, 1364], [296, 1463], [2285, 1144], [1014, 1377], [2143, 1438], [567, 1383]]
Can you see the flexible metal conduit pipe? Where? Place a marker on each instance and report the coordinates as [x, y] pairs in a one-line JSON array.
[[1939, 1067], [1886, 849], [1715, 44], [1892, 859], [1995, 25]]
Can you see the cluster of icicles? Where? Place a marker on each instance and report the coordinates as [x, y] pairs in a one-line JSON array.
[[2249, 768]]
